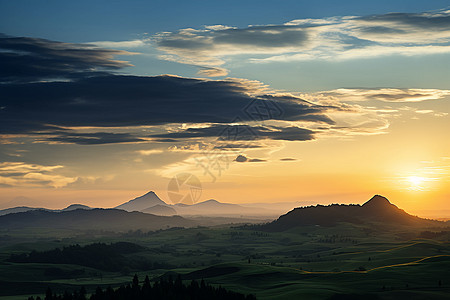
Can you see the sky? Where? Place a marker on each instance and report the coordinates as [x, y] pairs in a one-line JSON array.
[[239, 101]]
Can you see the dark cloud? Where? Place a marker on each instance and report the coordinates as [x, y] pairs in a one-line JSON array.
[[256, 160], [242, 158], [54, 110], [31, 59], [242, 133], [381, 29], [12, 174], [288, 159], [237, 146], [438, 21], [270, 36], [262, 36], [183, 43], [117, 101], [94, 138]]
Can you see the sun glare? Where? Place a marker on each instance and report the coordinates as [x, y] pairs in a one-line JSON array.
[[419, 183], [416, 180]]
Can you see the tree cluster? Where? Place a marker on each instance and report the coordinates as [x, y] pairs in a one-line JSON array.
[[163, 289], [98, 255]]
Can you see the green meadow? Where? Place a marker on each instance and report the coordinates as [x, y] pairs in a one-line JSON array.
[[308, 262]]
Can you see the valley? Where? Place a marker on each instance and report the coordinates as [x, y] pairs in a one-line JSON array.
[[367, 258]]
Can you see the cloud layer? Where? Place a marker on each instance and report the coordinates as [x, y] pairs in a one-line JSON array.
[[66, 93], [121, 101], [31, 175], [381, 94], [96, 106], [24, 59], [305, 39]]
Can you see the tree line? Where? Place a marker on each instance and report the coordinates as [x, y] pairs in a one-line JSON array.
[[163, 289], [106, 257]]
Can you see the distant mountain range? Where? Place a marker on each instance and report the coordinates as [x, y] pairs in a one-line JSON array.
[[377, 210], [92, 219], [149, 212], [19, 209], [151, 203], [146, 212]]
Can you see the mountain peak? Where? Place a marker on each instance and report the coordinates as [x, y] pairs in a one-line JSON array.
[[378, 201], [142, 202], [377, 210], [151, 193]]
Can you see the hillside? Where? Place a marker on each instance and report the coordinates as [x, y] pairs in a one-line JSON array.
[[95, 219], [18, 210], [377, 210]]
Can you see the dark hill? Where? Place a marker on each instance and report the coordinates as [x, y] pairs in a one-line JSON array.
[[95, 219], [18, 209], [377, 210], [75, 206]]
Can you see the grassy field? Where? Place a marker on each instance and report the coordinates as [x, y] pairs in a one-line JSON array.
[[309, 262]]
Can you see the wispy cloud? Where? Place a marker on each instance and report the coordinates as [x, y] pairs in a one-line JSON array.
[[381, 94], [334, 38], [118, 45], [150, 152], [32, 175]]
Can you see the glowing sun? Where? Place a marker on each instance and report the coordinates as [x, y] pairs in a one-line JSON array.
[[416, 180]]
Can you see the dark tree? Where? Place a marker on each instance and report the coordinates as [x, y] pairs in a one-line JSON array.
[[161, 290]]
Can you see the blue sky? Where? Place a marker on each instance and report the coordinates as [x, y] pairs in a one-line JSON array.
[[81, 21]]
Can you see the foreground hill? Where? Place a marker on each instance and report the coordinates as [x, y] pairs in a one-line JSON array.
[[377, 210], [95, 219]]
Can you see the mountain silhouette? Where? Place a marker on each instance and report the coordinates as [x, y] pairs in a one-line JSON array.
[[213, 207], [160, 210], [377, 210], [18, 209], [378, 202], [142, 202], [93, 219], [75, 206]]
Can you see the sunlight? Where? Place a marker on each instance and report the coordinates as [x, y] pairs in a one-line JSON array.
[[416, 180], [419, 183]]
